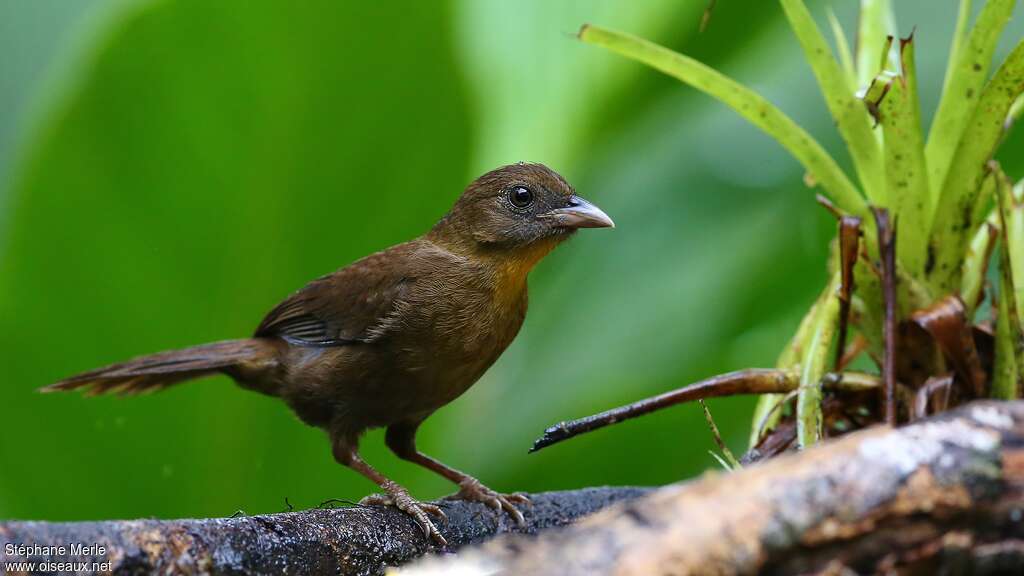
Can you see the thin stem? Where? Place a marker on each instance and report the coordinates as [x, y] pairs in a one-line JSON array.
[[887, 246], [849, 246], [730, 459], [750, 381]]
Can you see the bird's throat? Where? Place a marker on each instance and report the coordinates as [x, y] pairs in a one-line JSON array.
[[518, 263]]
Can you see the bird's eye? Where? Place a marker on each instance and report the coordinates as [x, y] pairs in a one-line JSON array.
[[520, 196]]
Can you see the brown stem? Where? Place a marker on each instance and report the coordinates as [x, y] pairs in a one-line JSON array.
[[706, 18], [828, 205], [859, 344], [849, 239], [887, 246], [750, 381]]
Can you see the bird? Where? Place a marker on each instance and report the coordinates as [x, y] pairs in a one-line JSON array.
[[387, 340]]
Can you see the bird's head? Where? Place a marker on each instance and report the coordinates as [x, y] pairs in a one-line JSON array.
[[522, 210]]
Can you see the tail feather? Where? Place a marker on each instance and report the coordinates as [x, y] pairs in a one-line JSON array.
[[161, 370]]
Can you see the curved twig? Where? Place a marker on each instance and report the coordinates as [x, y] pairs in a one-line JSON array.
[[750, 381]]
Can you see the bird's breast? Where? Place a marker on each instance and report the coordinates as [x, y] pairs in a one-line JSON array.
[[457, 331]]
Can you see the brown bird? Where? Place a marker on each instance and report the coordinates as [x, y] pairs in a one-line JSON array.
[[389, 339]]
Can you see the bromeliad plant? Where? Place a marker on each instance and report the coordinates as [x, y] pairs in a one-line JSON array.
[[912, 305]]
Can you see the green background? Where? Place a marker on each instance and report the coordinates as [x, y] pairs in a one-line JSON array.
[[170, 170]]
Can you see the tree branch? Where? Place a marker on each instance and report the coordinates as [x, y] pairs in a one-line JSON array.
[[945, 494], [356, 540]]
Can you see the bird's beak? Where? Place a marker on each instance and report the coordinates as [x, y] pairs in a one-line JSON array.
[[579, 214]]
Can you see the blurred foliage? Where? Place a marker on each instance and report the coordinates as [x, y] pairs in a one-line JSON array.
[[189, 164]]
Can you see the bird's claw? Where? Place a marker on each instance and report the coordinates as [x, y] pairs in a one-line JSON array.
[[418, 510], [471, 489]]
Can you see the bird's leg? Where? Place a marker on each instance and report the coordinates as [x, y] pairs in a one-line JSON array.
[[346, 452], [401, 438]]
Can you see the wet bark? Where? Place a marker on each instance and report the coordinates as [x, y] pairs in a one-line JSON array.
[[942, 496], [354, 540]]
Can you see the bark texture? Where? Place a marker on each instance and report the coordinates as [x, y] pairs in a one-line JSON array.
[[942, 496], [356, 540]]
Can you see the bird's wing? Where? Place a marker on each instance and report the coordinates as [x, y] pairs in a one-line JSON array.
[[348, 306]]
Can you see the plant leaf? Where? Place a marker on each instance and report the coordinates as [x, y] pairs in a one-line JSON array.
[[843, 48], [1011, 207], [964, 81], [721, 462], [813, 366], [1009, 346], [1014, 239], [976, 262], [875, 26], [765, 415], [1006, 371], [1016, 109], [851, 118], [730, 462], [986, 201], [981, 136], [963, 18], [749, 104], [905, 172]]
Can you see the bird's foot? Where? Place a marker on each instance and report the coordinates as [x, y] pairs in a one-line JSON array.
[[399, 498], [471, 489]]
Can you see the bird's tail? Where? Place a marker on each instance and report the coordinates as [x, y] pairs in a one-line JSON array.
[[161, 370]]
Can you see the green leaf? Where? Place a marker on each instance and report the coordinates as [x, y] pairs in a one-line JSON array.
[[981, 136], [729, 462], [963, 18], [1009, 326], [813, 366], [1016, 109], [1006, 372], [984, 221], [728, 466], [843, 48], [905, 171], [850, 115], [868, 304], [766, 415], [986, 201], [963, 85], [877, 27], [976, 262], [752, 106], [1011, 207]]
